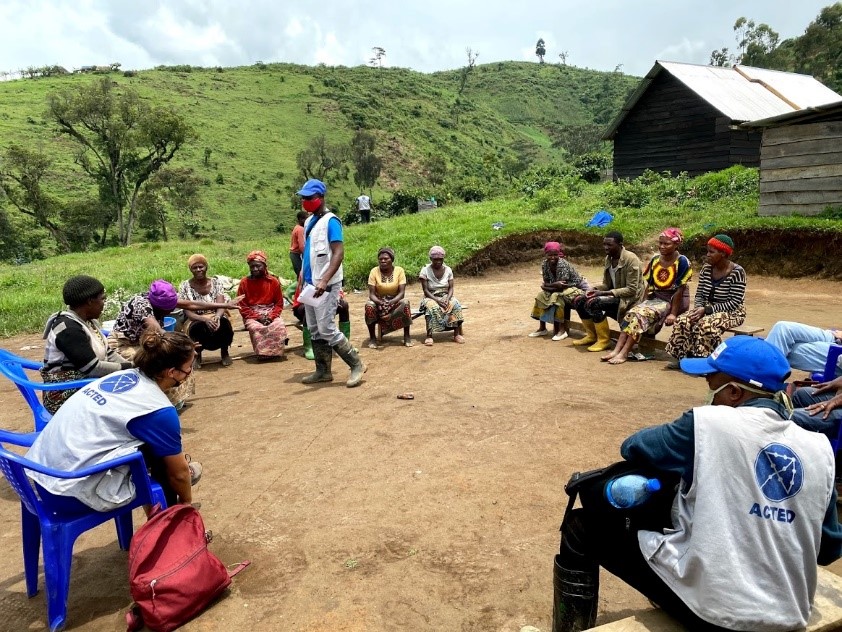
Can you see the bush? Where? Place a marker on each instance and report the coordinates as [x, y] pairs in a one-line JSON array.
[[591, 166]]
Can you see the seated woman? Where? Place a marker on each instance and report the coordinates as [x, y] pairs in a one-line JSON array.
[[145, 312], [342, 310], [386, 305], [210, 329], [666, 276], [441, 311], [74, 347], [560, 283], [130, 411], [261, 306], [718, 306]]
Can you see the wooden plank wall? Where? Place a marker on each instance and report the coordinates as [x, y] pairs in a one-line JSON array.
[[801, 168], [672, 129]]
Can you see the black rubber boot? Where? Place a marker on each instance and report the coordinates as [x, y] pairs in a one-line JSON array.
[[345, 351], [324, 357], [575, 597]]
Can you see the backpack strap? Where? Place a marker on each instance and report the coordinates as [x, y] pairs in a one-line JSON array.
[[237, 568], [134, 620]]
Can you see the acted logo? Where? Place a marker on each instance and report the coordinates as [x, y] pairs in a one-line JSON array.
[[778, 472], [119, 383]]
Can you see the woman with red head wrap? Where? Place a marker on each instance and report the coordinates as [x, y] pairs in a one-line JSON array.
[[719, 304], [560, 283], [666, 276], [261, 307]]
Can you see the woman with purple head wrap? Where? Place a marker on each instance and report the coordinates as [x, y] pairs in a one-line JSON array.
[[441, 310]]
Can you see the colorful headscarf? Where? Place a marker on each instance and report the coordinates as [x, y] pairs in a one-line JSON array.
[[197, 258], [162, 295], [257, 255], [553, 248], [673, 234], [723, 243], [388, 251], [436, 251]]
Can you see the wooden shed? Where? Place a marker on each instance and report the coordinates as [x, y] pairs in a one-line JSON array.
[[686, 117], [801, 161]]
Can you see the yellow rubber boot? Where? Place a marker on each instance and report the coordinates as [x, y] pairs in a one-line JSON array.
[[603, 337], [590, 334]]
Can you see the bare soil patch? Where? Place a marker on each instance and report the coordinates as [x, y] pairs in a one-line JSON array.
[[361, 511]]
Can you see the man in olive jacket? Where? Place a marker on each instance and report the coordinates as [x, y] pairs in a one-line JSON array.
[[622, 287]]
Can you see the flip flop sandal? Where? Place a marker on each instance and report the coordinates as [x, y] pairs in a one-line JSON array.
[[406, 396], [640, 357], [538, 334]]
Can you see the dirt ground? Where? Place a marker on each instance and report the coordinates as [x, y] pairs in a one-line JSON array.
[[363, 512]]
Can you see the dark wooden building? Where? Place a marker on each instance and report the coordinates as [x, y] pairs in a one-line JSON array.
[[686, 117], [801, 161]]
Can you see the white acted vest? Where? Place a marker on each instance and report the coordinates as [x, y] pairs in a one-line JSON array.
[[748, 530], [320, 248], [91, 427]]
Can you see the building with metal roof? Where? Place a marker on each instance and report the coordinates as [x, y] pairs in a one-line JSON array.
[[686, 117]]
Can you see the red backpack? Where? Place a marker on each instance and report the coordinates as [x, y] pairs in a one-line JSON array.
[[172, 574]]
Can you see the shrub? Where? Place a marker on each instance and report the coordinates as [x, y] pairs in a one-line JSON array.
[[591, 166], [220, 179]]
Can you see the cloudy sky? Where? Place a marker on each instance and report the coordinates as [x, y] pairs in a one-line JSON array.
[[424, 35]]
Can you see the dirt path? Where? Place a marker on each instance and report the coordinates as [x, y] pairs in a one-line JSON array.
[[364, 512]]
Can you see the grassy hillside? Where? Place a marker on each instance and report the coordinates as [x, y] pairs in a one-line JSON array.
[[255, 119], [725, 201]]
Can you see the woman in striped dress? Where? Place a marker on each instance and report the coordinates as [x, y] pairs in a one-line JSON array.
[[719, 304]]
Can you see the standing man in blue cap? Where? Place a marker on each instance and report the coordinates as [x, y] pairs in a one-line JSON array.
[[755, 510], [321, 267]]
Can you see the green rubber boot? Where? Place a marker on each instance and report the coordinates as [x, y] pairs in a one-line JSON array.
[[308, 344], [345, 328]]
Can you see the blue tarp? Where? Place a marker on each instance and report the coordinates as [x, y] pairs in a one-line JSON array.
[[601, 218]]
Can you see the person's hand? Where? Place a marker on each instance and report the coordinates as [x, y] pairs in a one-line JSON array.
[[443, 302], [213, 322], [265, 321], [824, 407], [590, 293], [824, 387], [321, 286], [696, 314], [234, 302], [670, 320]]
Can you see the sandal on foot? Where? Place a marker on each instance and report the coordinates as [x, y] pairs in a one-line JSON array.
[[408, 343], [428, 342], [373, 345], [560, 336], [460, 340], [538, 334]]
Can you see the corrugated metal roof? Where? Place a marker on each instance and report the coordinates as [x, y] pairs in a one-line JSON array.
[[741, 93], [789, 118]]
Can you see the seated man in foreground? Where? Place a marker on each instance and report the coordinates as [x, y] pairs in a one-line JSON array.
[[756, 510], [805, 347]]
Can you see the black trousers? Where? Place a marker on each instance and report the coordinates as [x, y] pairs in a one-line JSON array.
[[209, 339], [597, 308], [589, 541]]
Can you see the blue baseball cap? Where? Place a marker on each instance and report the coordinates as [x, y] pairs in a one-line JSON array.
[[313, 187], [752, 360]]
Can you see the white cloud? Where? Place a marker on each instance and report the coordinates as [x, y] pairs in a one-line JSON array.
[[293, 28]]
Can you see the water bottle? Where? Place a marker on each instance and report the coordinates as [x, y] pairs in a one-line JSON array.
[[630, 490]]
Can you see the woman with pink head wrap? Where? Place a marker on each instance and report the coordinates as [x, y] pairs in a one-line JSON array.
[[441, 310], [668, 296], [261, 306], [560, 283]]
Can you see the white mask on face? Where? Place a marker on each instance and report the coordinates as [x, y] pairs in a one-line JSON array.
[[712, 393]]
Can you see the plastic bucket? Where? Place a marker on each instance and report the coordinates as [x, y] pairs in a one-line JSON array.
[[169, 323]]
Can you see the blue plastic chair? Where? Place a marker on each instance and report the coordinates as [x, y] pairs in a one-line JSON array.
[[14, 368], [60, 530], [829, 371]]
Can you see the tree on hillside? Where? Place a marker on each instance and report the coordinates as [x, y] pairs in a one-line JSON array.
[[122, 141], [377, 59], [540, 50], [563, 55], [721, 58], [320, 159], [21, 173], [367, 165], [754, 41], [466, 70], [170, 191], [436, 167]]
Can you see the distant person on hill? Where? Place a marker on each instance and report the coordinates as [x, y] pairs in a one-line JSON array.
[[364, 207], [387, 305], [622, 286], [442, 310], [296, 245], [718, 306], [321, 269], [560, 284], [74, 347], [805, 347], [261, 307], [666, 276]]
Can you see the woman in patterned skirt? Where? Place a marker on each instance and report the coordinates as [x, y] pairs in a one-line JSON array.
[[261, 307], [560, 283], [386, 305], [719, 304], [667, 275], [209, 328], [441, 310]]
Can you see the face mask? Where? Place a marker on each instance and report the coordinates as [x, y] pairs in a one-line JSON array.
[[711, 394], [311, 206]]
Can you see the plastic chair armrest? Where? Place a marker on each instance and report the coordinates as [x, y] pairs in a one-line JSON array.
[[52, 386], [24, 439], [127, 459]]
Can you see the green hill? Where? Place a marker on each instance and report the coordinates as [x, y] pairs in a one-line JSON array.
[[254, 120]]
